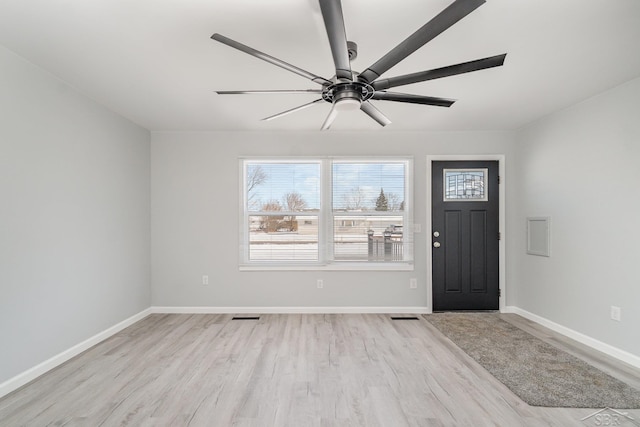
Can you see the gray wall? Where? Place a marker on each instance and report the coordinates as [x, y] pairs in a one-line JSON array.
[[195, 218], [581, 166], [74, 217]]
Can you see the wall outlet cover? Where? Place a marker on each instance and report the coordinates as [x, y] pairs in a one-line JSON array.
[[616, 313]]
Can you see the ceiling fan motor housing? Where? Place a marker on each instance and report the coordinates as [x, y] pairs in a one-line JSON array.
[[347, 93]]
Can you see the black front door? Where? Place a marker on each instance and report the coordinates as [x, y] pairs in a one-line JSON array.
[[465, 235]]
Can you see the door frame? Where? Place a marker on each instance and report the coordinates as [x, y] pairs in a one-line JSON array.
[[501, 223]]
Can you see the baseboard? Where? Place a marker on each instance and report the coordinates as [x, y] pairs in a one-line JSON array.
[[610, 350], [290, 310], [33, 373]]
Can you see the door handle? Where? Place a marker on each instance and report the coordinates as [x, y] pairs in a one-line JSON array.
[[436, 244]]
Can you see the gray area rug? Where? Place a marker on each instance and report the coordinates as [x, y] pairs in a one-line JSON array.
[[537, 372]]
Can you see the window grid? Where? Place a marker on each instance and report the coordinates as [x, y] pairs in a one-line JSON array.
[[465, 184]]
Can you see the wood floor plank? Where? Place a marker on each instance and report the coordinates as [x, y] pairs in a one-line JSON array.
[[285, 370]]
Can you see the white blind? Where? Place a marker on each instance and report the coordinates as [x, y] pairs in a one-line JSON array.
[[368, 186], [287, 186], [283, 199], [368, 209]]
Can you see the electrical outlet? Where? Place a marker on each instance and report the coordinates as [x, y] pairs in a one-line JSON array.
[[413, 283], [205, 280], [320, 284], [616, 313]]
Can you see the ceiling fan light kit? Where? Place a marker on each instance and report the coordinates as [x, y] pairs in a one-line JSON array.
[[347, 104], [349, 90]]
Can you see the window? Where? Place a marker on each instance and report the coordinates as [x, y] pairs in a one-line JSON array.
[[327, 213], [465, 184]]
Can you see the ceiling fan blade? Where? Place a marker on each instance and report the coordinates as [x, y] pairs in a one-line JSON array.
[[260, 92], [270, 59], [330, 118], [293, 110], [413, 99], [374, 113], [451, 70], [334, 23], [445, 19]]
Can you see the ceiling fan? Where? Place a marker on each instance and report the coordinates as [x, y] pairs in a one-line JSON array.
[[349, 90]]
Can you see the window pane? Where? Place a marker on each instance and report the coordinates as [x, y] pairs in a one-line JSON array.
[[376, 189], [368, 186], [368, 238], [283, 238], [465, 184], [283, 186]]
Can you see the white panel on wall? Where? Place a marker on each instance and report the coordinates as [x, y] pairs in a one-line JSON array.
[[539, 235]]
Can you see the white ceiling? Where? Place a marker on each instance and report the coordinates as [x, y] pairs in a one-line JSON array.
[[153, 61]]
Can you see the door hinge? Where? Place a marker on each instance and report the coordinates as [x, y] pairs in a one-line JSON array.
[[499, 180], [499, 236], [499, 292]]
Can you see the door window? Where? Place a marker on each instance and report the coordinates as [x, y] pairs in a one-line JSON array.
[[465, 185]]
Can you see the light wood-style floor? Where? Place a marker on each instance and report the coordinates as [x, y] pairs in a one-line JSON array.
[[285, 370]]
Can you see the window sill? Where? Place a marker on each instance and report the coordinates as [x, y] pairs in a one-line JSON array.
[[332, 267]]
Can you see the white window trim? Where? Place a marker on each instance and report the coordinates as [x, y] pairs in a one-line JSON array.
[[325, 219]]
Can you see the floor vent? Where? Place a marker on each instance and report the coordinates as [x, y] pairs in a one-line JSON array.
[[404, 318], [245, 318]]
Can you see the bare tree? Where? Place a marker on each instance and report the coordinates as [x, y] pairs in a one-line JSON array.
[[255, 176], [294, 203], [271, 223], [394, 202], [355, 199], [272, 205]]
